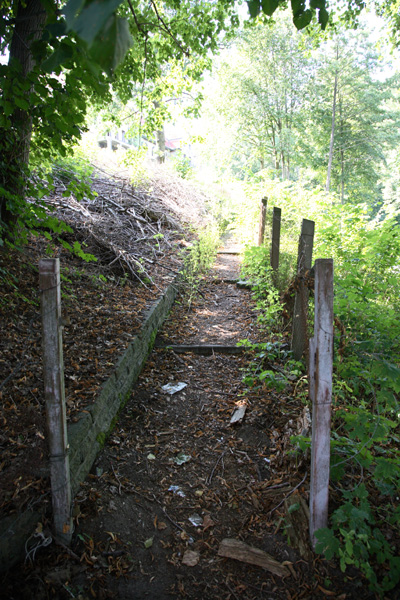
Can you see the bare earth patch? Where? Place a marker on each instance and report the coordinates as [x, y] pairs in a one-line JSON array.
[[175, 480]]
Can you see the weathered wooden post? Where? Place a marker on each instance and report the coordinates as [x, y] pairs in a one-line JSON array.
[[300, 311], [53, 375], [275, 241], [261, 226], [320, 384]]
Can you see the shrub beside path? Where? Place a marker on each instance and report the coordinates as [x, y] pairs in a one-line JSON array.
[[176, 479]]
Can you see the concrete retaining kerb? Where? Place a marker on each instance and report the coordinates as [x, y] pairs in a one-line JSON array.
[[86, 437]]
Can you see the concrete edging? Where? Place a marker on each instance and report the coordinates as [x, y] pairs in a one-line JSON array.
[[87, 436]]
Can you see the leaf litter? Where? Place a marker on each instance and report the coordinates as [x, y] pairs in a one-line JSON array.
[[232, 488], [236, 481]]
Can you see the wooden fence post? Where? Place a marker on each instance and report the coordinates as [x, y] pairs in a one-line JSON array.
[[53, 375], [320, 384], [300, 311], [275, 241], [261, 227]]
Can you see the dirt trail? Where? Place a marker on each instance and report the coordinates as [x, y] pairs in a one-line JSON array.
[[175, 478]]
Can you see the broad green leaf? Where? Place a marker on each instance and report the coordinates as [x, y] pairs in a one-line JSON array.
[[386, 469], [323, 17], [62, 54], [92, 19], [349, 547], [298, 6], [254, 8], [21, 103], [57, 29], [302, 19], [111, 45], [269, 6], [327, 543], [8, 108], [71, 10]]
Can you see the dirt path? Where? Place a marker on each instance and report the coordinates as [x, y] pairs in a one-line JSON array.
[[175, 478]]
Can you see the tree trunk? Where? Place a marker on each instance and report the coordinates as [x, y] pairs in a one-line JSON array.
[[332, 141], [160, 138], [16, 139], [283, 165], [342, 170], [160, 135], [342, 176]]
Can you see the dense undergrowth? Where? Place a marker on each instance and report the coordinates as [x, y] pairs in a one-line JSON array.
[[365, 457]]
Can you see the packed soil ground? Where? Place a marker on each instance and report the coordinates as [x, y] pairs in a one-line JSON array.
[[138, 238], [176, 481]]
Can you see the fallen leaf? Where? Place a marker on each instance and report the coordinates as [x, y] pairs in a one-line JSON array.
[[190, 558], [208, 522]]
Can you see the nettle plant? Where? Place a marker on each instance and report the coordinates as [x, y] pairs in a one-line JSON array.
[[256, 269], [365, 455], [199, 260]]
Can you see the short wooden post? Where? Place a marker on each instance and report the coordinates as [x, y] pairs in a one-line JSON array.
[[300, 311], [53, 375], [261, 226], [320, 384], [275, 241]]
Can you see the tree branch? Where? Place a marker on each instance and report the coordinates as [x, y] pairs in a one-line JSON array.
[[168, 31]]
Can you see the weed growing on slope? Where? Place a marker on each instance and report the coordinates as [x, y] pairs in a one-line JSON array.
[[198, 261]]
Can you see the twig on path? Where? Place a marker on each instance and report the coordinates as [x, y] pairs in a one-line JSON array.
[[118, 480], [169, 518], [289, 494], [68, 550], [197, 387], [166, 514], [209, 479], [231, 590]]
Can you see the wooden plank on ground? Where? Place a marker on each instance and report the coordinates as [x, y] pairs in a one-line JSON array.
[[231, 548], [229, 281], [204, 350]]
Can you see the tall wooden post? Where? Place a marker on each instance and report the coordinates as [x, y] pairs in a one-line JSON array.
[[261, 226], [275, 241], [53, 375], [300, 311], [320, 384]]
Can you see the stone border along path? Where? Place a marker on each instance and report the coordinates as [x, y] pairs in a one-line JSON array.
[[87, 436]]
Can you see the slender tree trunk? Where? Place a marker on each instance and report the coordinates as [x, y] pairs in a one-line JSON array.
[[160, 135], [160, 138], [342, 176], [342, 170], [332, 141], [274, 149], [15, 140]]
